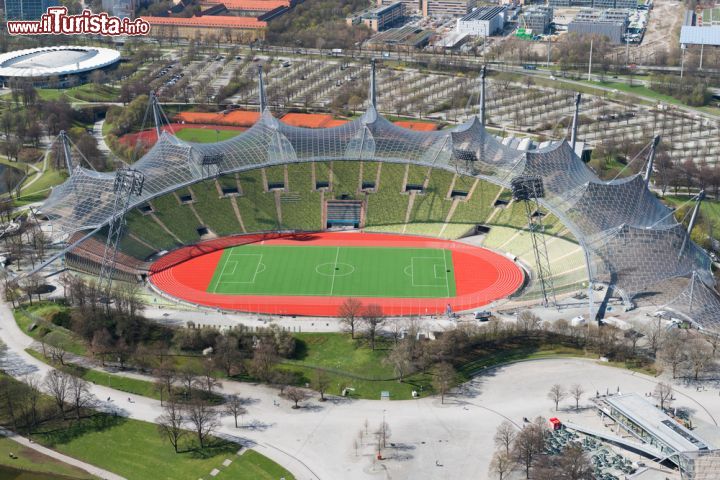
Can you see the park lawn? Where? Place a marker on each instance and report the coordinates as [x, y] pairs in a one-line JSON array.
[[40, 189], [88, 92], [48, 331], [352, 363], [34, 462], [135, 450], [205, 135], [253, 466], [710, 209]]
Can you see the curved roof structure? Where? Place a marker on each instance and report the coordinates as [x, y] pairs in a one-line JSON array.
[[52, 61], [631, 240]]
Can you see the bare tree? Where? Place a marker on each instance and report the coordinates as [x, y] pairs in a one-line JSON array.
[[505, 435], [663, 392], [673, 352], [208, 380], [227, 356], [501, 464], [575, 463], [203, 418], [444, 379], [234, 406], [576, 392], [264, 358], [528, 321], [654, 332], [188, 376], [350, 311], [32, 399], [296, 395], [57, 384], [170, 423], [382, 434], [321, 382], [164, 380], [556, 394], [699, 356], [401, 359], [372, 317], [529, 443], [79, 392]]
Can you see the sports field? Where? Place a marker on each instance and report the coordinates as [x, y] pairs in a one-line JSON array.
[[313, 273], [335, 271]]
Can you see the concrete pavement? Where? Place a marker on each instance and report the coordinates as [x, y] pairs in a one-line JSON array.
[[431, 440]]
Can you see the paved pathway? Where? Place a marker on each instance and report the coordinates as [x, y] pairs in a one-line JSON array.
[[91, 469], [317, 442]]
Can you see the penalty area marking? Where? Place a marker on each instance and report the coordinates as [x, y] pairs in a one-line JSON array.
[[435, 265], [259, 268]]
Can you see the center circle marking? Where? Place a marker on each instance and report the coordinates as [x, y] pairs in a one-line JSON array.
[[335, 269]]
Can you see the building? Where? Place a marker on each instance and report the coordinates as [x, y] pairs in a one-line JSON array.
[[608, 23], [446, 8], [61, 66], [537, 19], [242, 29], [380, 18], [261, 9], [691, 35], [27, 9], [653, 427], [407, 36], [482, 22], [410, 6], [120, 8], [600, 4]]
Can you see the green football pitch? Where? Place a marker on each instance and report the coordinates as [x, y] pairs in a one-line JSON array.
[[335, 271]]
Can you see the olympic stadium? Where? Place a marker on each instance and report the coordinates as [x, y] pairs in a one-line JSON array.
[[65, 63], [243, 224]]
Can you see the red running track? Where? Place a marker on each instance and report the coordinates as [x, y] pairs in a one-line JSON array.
[[481, 276]]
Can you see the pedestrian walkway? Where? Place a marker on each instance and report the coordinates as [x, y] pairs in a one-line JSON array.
[[91, 469]]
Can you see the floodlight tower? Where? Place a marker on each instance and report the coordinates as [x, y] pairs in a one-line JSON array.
[[483, 72], [261, 89], [693, 218], [157, 113], [373, 86], [651, 160], [128, 183], [529, 189], [575, 122], [66, 151]]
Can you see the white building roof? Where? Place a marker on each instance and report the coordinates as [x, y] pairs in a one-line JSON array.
[[51, 61], [700, 35], [657, 423]]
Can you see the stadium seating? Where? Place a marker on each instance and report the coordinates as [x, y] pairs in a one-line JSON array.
[[388, 205]]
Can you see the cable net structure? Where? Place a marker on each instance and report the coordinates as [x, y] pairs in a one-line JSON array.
[[632, 242]]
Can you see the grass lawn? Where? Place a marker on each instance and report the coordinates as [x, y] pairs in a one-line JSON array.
[[710, 209], [136, 451], [48, 331], [205, 135], [253, 466], [40, 189], [34, 465], [351, 363], [88, 92], [335, 271]]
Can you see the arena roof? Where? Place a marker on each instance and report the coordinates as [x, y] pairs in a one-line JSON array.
[[210, 21], [55, 61], [631, 240]]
